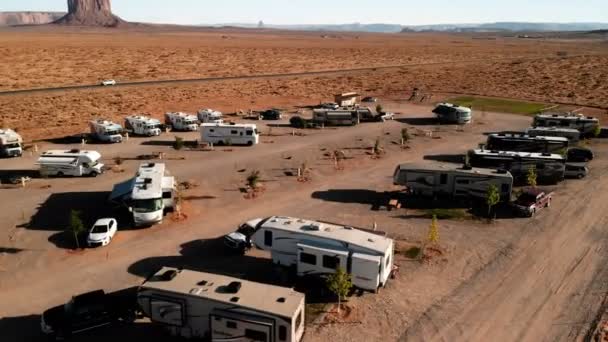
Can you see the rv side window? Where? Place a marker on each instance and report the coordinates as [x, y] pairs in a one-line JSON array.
[[249, 132], [255, 335], [331, 262], [234, 132], [167, 195], [230, 325], [308, 258], [211, 130], [268, 238], [462, 181], [282, 333], [443, 178], [505, 188]]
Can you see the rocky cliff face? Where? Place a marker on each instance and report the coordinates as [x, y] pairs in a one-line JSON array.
[[90, 13], [28, 18]]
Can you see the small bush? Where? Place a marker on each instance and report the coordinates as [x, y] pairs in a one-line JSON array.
[[413, 253], [179, 143], [118, 160], [297, 122], [379, 109], [597, 130]]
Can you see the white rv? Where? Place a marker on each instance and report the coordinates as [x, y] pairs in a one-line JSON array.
[[148, 195], [106, 131], [450, 113], [70, 163], [142, 125], [573, 135], [11, 144], [210, 116], [585, 125], [230, 134], [220, 308], [181, 121], [320, 248], [451, 181]]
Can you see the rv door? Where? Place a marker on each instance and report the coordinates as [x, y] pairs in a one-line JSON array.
[[365, 271]]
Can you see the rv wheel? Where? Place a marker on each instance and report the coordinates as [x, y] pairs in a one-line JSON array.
[[548, 203], [59, 174], [220, 143], [94, 174], [249, 143], [580, 176]]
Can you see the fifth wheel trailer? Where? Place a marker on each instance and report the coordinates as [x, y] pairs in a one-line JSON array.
[[585, 125], [526, 143], [220, 308]]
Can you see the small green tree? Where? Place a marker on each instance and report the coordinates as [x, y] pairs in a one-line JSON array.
[[597, 130], [253, 179], [531, 177], [178, 144], [379, 109], [377, 149], [405, 136], [492, 198], [339, 283], [76, 226], [433, 235]]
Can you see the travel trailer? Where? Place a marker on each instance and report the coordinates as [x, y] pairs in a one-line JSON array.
[[209, 116], [549, 167], [585, 125], [11, 144], [142, 125], [230, 134], [337, 117], [526, 143], [452, 182], [453, 114], [215, 307], [571, 134], [181, 121], [149, 195], [106, 131], [320, 248], [70, 163]]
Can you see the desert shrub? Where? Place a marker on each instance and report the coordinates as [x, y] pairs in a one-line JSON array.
[[297, 122], [178, 144]]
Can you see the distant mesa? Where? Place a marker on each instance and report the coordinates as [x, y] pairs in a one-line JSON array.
[[28, 18], [90, 13]]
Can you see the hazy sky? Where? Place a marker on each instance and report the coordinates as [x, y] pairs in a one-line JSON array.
[[405, 12]]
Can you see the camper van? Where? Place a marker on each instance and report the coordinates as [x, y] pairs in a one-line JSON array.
[[70, 163], [549, 167], [452, 182], [11, 144], [526, 143], [571, 134], [215, 307], [337, 117], [181, 121], [106, 131], [148, 195], [230, 134], [209, 116], [320, 248], [142, 125], [453, 114], [585, 125]]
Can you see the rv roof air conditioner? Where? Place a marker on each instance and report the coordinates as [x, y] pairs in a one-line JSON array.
[[234, 299], [281, 300], [233, 287], [75, 150], [168, 275]]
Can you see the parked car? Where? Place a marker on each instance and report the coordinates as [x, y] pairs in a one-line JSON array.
[[89, 311], [579, 154], [239, 241], [531, 201], [108, 82], [576, 170], [102, 232], [387, 116], [271, 114], [369, 99]]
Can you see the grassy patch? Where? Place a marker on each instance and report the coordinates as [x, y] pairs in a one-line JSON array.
[[447, 214], [313, 310], [499, 105], [412, 253]]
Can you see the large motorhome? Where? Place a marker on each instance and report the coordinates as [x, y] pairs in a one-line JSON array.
[[70, 163], [585, 125], [526, 143], [452, 182], [230, 134], [209, 116], [181, 121], [142, 125], [320, 248], [453, 114], [148, 195], [11, 144], [220, 308], [337, 117], [549, 167], [571, 134], [106, 131]]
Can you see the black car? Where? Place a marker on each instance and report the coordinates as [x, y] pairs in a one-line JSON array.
[[271, 114], [579, 155], [89, 311], [369, 99]]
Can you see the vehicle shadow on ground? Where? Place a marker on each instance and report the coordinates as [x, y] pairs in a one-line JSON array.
[[66, 140], [21, 328], [446, 158], [360, 196], [9, 176], [424, 121]]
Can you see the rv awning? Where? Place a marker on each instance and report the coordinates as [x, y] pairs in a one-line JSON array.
[[121, 190]]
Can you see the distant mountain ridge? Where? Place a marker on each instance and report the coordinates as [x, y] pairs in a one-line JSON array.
[[28, 18]]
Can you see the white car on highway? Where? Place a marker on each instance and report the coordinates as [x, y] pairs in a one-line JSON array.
[[102, 232], [108, 83]]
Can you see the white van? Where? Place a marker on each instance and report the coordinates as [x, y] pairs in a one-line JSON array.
[[70, 163], [230, 134]]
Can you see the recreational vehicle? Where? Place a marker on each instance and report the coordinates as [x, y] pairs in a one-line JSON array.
[[230, 134], [337, 117], [209, 116], [549, 167], [526, 143], [142, 125], [453, 114], [181, 121], [452, 182], [220, 308], [148, 195], [585, 125], [320, 248], [70, 163], [10, 143], [106, 131], [571, 134]]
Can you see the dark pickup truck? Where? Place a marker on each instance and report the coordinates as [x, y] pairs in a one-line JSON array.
[[531, 201], [89, 311]]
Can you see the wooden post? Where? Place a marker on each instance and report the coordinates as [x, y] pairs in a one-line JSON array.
[[23, 182], [82, 142], [127, 136], [35, 147]]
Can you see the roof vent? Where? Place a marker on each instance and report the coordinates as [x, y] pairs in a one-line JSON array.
[[281, 300], [234, 299], [501, 171], [168, 275], [545, 154], [370, 240], [202, 283], [348, 228], [467, 167], [147, 180], [314, 227], [233, 287]]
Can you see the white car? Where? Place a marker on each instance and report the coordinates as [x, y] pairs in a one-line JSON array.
[[108, 83], [102, 232]]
